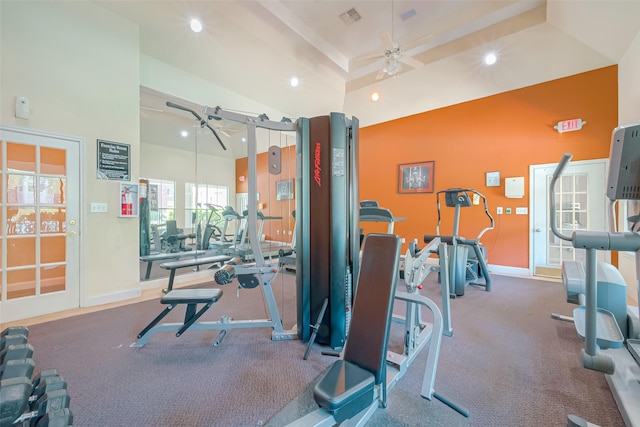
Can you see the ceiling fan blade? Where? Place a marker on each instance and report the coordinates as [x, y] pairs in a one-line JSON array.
[[410, 61], [387, 41], [417, 43], [380, 75]]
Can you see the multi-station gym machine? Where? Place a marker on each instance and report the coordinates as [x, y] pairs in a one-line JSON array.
[[327, 230]]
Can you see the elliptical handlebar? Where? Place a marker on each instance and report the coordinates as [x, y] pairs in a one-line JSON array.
[[484, 203], [566, 158]]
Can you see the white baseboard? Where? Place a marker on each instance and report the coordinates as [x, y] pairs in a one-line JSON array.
[[202, 275], [510, 271], [113, 297]]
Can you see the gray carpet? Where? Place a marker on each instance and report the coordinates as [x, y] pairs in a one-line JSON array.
[[508, 362]]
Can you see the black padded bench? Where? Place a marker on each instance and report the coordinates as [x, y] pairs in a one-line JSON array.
[[347, 388], [192, 262], [191, 297], [150, 259]]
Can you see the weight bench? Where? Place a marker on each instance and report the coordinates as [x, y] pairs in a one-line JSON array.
[[193, 262], [261, 276], [191, 297], [353, 388], [150, 259]]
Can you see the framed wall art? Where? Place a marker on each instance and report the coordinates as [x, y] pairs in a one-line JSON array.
[[416, 177]]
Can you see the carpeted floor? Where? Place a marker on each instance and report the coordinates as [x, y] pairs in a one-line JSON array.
[[508, 362]]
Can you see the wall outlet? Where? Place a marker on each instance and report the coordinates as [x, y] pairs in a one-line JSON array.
[[522, 211], [499, 210]]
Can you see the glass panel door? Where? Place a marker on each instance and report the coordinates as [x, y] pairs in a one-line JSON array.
[[39, 260]]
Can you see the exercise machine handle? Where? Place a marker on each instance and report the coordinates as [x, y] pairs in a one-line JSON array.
[[200, 119]]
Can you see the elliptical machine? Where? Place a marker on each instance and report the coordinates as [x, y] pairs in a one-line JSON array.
[[467, 257]]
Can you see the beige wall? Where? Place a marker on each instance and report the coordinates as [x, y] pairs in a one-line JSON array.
[[79, 67]]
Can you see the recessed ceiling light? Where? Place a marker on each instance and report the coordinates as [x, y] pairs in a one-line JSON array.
[[184, 133], [375, 96], [196, 25], [490, 59], [294, 81]]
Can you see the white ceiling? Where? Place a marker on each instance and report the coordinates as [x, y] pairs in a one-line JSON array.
[[253, 47]]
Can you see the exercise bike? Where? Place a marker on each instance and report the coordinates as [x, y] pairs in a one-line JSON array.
[[467, 257]]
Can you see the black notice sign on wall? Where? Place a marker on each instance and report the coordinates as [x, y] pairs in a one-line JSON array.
[[114, 161]]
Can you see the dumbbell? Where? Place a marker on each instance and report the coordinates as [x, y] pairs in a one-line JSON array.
[[12, 339], [51, 407], [50, 402], [15, 330], [56, 418], [14, 399], [46, 386], [16, 351], [17, 368]]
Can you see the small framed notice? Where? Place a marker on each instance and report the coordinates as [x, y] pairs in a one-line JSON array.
[[114, 161]]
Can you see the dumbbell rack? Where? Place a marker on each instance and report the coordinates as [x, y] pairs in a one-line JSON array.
[[42, 401]]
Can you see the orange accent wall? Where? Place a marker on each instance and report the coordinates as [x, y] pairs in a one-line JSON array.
[[507, 132], [267, 191]]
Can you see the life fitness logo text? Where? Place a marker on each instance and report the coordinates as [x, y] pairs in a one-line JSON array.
[[316, 165]]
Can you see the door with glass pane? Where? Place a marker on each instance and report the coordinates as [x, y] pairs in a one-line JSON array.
[[39, 244], [580, 205]]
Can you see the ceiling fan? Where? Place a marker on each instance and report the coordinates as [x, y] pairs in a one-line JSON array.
[[394, 54]]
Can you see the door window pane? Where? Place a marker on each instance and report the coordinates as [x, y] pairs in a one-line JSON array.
[[21, 251], [53, 279], [52, 190], [53, 249], [21, 157], [53, 161], [21, 189], [21, 220], [21, 283], [53, 220]]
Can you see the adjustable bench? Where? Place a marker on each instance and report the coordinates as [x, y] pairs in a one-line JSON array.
[[193, 262], [353, 388], [149, 259]]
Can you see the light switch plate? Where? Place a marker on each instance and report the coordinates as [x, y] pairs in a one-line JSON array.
[[493, 179]]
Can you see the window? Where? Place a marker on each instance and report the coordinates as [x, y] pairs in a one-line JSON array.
[[162, 198], [197, 200]]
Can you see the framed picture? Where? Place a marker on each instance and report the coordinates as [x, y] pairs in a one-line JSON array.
[[284, 189], [416, 177]]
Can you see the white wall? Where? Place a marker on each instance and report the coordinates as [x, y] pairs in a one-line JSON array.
[[79, 66], [628, 112]]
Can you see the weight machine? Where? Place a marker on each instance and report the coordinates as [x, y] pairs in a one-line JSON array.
[[257, 274]]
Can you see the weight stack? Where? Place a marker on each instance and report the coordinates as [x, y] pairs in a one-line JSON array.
[[327, 234]]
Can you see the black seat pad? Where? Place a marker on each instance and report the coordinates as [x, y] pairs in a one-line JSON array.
[[192, 296]]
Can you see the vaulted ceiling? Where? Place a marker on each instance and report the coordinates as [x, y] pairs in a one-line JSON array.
[[337, 50]]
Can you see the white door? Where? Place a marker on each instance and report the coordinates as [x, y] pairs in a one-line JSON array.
[[39, 243], [580, 205]]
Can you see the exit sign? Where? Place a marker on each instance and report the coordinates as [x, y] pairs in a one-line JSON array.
[[569, 125]]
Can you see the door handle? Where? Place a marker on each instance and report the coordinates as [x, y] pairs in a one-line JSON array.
[[537, 230]]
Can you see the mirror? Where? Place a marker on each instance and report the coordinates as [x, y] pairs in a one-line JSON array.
[[197, 191]]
